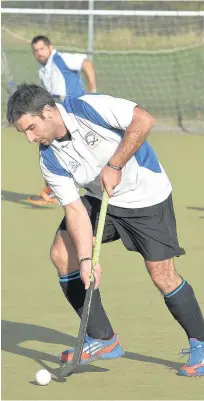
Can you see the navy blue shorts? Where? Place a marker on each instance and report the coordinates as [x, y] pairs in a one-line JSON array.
[[151, 231]]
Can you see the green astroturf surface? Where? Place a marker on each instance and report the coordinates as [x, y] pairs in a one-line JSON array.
[[37, 321]]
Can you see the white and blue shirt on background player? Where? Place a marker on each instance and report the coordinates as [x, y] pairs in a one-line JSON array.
[[96, 124], [61, 74]]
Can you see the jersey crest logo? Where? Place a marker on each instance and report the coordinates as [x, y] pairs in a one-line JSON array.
[[73, 165], [92, 139]]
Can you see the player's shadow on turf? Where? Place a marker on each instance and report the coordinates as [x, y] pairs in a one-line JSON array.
[[14, 333], [152, 359], [199, 209], [16, 197]]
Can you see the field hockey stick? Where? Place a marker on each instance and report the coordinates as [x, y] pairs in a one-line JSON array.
[[69, 368]]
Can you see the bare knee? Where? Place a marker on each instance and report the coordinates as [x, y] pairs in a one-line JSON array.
[[63, 253], [164, 275], [58, 254]]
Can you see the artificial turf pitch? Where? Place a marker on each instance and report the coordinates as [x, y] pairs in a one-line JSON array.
[[37, 321]]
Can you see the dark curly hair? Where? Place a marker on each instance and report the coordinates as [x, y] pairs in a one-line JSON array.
[[28, 98]]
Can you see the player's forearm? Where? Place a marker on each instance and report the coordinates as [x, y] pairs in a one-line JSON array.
[[79, 227], [88, 69], [135, 135]]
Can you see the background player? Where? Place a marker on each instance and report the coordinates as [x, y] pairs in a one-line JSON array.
[[59, 73]]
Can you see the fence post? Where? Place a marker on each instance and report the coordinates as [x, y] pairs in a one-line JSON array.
[[90, 30]]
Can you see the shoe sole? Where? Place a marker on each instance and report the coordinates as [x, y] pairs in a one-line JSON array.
[[196, 374], [42, 202]]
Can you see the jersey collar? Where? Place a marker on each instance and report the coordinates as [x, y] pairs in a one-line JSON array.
[[49, 61], [69, 121]]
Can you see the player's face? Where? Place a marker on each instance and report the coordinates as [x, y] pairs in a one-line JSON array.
[[41, 51], [37, 129]]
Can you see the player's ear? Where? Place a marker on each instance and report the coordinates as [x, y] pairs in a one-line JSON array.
[[47, 112]]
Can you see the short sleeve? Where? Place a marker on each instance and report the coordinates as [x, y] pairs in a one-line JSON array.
[[74, 61], [60, 181], [115, 112]]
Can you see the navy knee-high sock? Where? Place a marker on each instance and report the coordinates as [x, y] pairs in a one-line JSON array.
[[184, 307], [73, 289]]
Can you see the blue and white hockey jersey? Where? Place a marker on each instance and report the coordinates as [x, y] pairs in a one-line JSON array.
[[60, 75], [97, 123]]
